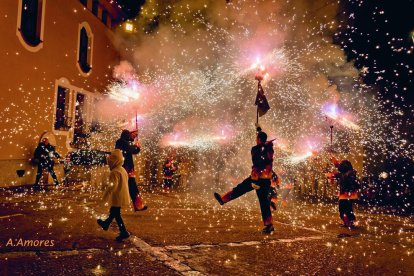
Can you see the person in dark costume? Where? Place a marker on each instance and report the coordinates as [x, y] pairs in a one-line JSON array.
[[168, 173], [129, 148], [259, 180], [44, 156], [349, 185]]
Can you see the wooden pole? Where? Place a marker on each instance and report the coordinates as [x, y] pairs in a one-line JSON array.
[[136, 120], [257, 109], [331, 138]]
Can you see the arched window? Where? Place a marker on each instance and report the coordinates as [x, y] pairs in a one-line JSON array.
[[30, 22], [85, 49], [62, 119]]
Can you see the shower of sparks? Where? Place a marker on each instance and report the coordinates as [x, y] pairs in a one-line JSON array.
[[202, 76], [123, 92], [333, 112], [299, 158], [191, 82]]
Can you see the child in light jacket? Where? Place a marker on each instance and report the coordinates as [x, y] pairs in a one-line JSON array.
[[116, 194]]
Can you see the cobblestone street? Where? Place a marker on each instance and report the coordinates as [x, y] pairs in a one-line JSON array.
[[191, 234]]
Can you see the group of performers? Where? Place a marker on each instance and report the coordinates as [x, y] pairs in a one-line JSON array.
[[263, 180]]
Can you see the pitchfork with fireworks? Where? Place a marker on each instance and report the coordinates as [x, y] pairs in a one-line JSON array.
[[335, 115], [126, 92], [261, 101]]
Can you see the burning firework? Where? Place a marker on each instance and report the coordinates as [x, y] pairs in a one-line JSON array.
[[203, 73], [333, 112], [124, 91]]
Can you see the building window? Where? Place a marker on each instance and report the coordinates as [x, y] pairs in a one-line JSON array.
[[105, 17], [84, 2], [30, 23], [85, 48], [95, 4], [79, 131], [62, 120], [84, 51]]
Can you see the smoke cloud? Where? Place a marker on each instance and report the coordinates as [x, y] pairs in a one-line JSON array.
[[193, 62]]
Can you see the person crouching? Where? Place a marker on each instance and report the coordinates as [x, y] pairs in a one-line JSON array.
[[116, 194]]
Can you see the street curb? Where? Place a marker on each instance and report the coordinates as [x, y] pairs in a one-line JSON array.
[[160, 255]]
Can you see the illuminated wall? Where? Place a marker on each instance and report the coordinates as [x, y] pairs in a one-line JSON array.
[[36, 63]]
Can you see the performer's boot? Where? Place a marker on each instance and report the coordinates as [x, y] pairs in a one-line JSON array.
[[138, 204], [268, 229], [224, 198], [268, 225], [124, 234], [218, 198], [104, 224]]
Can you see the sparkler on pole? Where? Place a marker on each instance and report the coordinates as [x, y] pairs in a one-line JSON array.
[[335, 115], [331, 128], [136, 120], [331, 115], [257, 109], [126, 92]]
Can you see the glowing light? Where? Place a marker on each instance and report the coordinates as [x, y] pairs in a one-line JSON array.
[[333, 112], [195, 142], [300, 158], [260, 70], [124, 92], [384, 175], [129, 27]]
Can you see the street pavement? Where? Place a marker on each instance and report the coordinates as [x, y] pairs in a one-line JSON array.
[[191, 234]]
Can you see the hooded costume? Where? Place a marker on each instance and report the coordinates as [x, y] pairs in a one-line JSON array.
[[116, 193]]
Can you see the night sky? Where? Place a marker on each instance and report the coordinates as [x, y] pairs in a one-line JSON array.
[[131, 8], [378, 36]]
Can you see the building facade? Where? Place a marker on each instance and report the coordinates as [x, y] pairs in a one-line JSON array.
[[56, 60]]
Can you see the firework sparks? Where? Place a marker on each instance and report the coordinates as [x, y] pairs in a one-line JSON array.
[[123, 92], [333, 112]]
